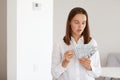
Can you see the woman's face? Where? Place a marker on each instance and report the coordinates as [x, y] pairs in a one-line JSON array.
[[78, 24]]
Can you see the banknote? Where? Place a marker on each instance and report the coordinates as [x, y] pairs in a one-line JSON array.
[[83, 50]]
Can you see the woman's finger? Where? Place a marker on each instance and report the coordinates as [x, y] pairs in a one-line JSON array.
[[84, 61]]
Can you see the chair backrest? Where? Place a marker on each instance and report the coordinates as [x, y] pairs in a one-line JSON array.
[[113, 60]]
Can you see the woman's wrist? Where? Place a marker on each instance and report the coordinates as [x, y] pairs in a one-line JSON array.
[[65, 63], [89, 68]]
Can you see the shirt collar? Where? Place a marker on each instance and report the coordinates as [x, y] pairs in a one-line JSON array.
[[81, 40]]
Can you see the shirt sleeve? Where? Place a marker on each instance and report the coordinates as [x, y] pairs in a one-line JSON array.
[[56, 67], [95, 64]]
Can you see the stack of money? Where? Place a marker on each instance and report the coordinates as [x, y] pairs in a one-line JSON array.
[[83, 50]]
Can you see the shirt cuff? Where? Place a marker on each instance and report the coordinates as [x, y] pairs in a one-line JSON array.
[[59, 70], [95, 72], [91, 73]]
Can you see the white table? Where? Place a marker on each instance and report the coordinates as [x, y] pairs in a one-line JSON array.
[[111, 72]]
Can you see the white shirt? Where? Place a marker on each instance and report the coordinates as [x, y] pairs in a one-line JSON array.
[[74, 70]]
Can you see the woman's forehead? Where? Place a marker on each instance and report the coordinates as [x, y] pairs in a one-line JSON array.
[[80, 17]]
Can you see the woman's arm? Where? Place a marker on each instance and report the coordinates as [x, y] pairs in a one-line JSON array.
[[95, 63], [56, 66]]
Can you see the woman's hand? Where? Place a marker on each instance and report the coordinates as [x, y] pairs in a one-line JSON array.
[[68, 56], [85, 62]]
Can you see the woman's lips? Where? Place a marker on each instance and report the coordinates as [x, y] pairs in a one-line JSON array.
[[79, 30]]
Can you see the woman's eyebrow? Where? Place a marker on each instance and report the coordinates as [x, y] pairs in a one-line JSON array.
[[75, 20]]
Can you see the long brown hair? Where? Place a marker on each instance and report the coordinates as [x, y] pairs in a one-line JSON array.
[[86, 32]]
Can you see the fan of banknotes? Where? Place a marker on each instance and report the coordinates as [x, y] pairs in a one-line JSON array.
[[83, 50]]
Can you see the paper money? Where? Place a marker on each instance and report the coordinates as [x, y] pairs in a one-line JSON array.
[[83, 50]]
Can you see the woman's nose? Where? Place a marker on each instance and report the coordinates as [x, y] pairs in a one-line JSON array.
[[80, 25]]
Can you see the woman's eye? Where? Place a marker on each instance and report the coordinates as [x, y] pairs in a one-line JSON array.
[[83, 23], [76, 22]]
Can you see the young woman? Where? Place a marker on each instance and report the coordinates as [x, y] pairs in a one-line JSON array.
[[65, 65]]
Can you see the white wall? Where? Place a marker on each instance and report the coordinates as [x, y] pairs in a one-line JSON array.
[[11, 40], [103, 19], [29, 33]]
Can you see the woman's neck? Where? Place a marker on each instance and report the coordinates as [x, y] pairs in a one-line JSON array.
[[76, 38]]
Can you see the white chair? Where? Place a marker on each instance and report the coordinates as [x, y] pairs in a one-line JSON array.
[[113, 67]]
